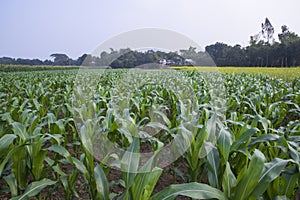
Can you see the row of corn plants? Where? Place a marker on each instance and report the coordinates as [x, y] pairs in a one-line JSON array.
[[237, 136]]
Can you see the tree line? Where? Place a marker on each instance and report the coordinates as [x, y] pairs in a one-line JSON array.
[[262, 51]]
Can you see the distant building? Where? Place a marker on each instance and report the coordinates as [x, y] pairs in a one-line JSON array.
[[171, 62], [163, 62], [178, 61], [167, 62], [189, 62]]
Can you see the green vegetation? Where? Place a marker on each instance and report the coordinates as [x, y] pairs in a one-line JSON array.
[[25, 68], [287, 74], [249, 123]]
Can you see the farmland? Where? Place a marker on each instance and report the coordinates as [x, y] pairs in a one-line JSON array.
[[150, 134], [287, 74]]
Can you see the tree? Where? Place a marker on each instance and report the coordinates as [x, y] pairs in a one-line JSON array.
[[267, 32], [287, 37], [7, 60], [60, 59], [236, 55], [255, 39], [293, 52], [218, 53], [81, 59]]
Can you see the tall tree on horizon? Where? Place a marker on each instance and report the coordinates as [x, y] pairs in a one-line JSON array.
[[267, 32], [286, 36]]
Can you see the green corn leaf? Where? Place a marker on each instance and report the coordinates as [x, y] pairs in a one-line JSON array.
[[197, 149], [51, 118], [64, 182], [241, 173], [274, 189], [72, 180], [12, 183], [265, 123], [20, 130], [58, 170], [60, 126], [192, 190], [86, 137], [229, 181], [211, 128], [36, 103], [81, 167], [61, 151], [126, 133], [244, 138], [213, 159], [251, 177], [7, 158], [290, 183], [6, 140], [25, 116], [56, 137], [158, 126], [295, 155], [264, 138], [224, 143], [49, 161], [144, 184], [130, 162], [34, 188], [272, 171], [101, 183], [7, 117], [19, 167], [38, 164], [165, 118]]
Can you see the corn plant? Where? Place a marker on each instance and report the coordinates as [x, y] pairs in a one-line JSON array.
[[237, 134]]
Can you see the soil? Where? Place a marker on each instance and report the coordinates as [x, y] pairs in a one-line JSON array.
[[167, 178]]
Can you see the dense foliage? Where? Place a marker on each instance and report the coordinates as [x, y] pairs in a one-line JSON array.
[[249, 122]]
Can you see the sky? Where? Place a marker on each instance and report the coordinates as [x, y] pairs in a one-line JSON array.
[[38, 28]]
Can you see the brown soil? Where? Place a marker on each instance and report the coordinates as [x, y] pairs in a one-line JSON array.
[[167, 178]]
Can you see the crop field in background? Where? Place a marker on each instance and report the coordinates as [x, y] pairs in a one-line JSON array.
[[27, 68], [287, 74], [237, 134]]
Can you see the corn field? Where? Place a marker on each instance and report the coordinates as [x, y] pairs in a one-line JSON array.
[[116, 134]]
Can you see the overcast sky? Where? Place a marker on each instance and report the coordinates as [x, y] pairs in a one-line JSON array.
[[37, 28]]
